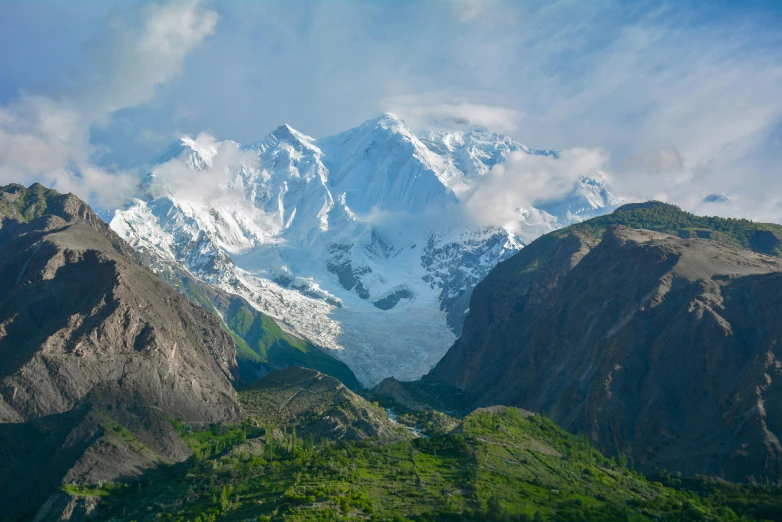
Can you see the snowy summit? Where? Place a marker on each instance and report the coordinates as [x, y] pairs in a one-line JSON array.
[[358, 242]]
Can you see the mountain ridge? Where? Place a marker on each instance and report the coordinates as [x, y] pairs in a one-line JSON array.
[[262, 346], [652, 344], [98, 353]]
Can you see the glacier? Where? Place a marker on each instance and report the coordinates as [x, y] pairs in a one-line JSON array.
[[357, 242]]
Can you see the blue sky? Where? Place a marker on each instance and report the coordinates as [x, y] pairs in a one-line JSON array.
[[682, 98]]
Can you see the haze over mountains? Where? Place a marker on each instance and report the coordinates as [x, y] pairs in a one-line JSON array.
[[366, 243]]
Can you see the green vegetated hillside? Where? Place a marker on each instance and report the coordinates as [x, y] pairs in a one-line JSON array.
[[261, 345], [765, 238], [499, 464]]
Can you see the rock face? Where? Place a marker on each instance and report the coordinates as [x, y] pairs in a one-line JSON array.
[[97, 353], [319, 405], [662, 347]]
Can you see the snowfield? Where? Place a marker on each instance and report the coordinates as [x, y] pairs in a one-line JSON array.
[[359, 242]]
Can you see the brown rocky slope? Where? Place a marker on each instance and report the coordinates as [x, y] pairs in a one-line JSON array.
[[663, 347], [97, 354]]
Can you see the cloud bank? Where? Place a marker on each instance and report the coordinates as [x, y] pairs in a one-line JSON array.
[[47, 138], [497, 198]]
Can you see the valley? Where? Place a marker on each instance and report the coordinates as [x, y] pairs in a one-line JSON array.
[[257, 423]]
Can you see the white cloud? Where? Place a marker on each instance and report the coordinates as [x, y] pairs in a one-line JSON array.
[[214, 182], [684, 97], [445, 109], [134, 59], [495, 199], [683, 106], [47, 139]]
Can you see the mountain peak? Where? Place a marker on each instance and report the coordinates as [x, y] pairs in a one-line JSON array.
[[359, 221], [388, 116], [94, 345], [36, 201], [386, 120], [284, 134], [288, 133], [198, 152], [655, 273]]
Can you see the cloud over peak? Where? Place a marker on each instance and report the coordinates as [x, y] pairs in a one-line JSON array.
[[436, 109]]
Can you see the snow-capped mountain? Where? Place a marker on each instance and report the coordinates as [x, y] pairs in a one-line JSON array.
[[357, 241]]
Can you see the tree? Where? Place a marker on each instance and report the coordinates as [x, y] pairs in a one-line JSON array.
[[224, 494], [622, 460], [311, 444], [494, 507]]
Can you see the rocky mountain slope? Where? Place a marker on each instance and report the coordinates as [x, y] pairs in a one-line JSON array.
[[97, 354], [319, 405], [357, 242], [653, 340]]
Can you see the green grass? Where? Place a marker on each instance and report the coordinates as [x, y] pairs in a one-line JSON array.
[[116, 432], [266, 343], [503, 466], [213, 441], [261, 345], [759, 501], [85, 491], [243, 352]]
